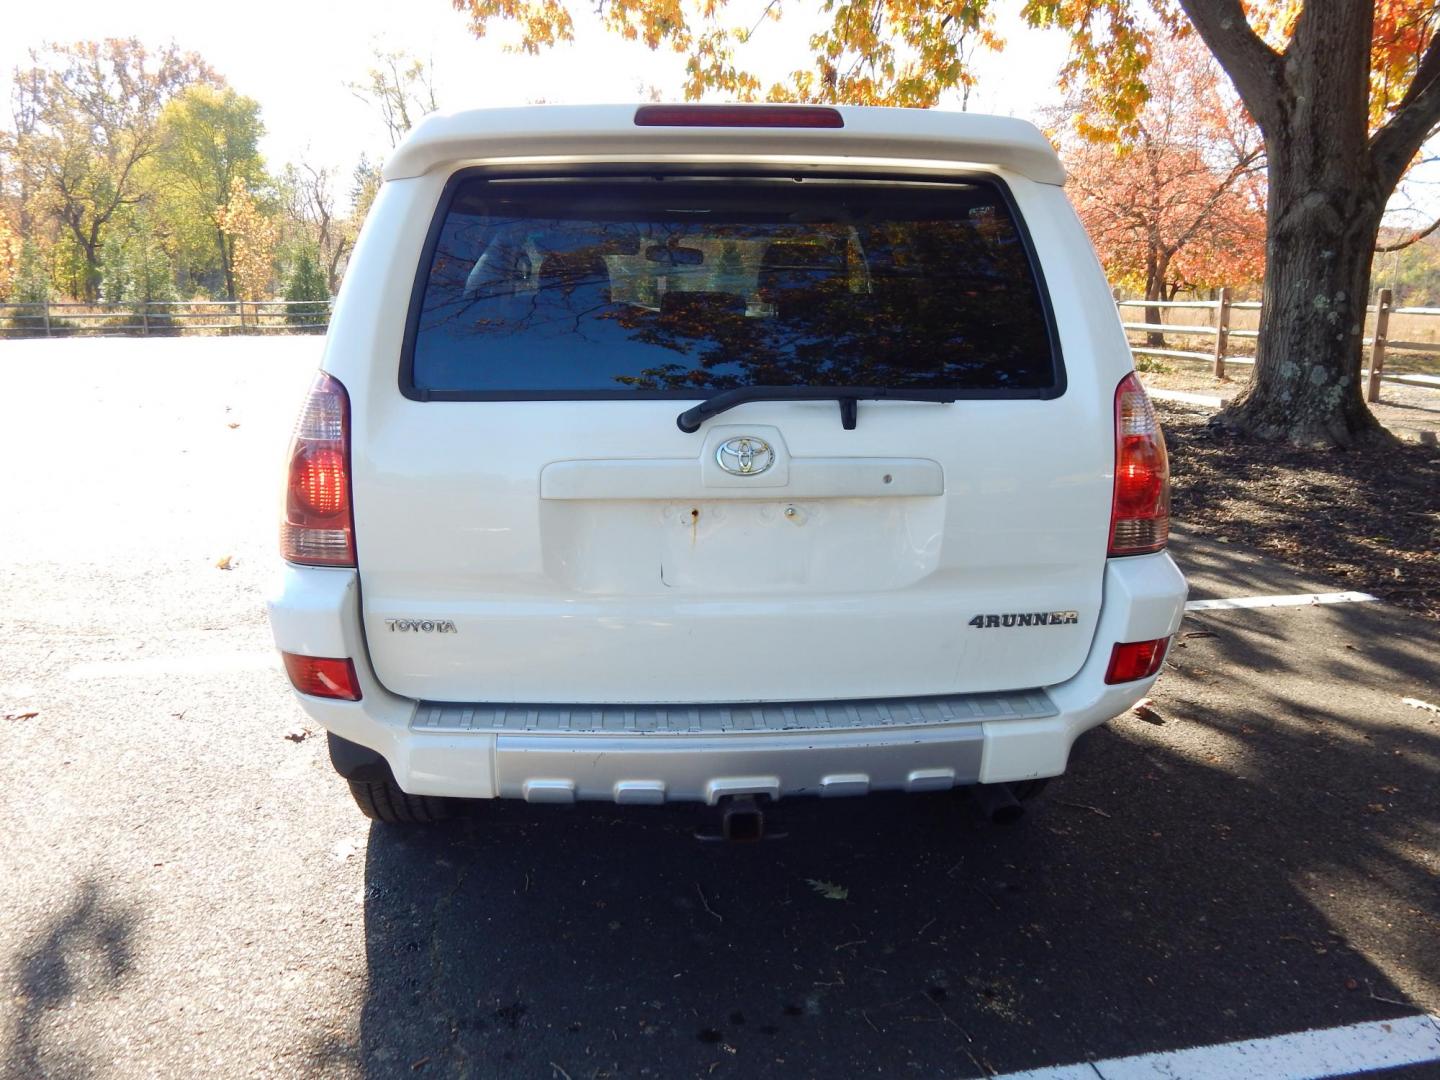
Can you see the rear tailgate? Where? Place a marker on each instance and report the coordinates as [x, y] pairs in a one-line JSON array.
[[532, 525]]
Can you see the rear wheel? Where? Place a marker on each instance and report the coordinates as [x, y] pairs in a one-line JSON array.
[[382, 800]]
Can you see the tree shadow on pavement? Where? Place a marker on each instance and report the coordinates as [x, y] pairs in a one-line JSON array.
[[83, 950], [1167, 895]]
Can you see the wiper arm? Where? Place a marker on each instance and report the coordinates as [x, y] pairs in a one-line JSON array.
[[690, 420]]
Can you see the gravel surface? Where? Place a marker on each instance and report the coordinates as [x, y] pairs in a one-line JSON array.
[[185, 887]]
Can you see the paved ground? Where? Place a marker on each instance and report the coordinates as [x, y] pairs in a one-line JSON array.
[[182, 889]]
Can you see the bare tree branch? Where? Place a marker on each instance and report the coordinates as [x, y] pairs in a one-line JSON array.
[[1413, 238], [1252, 65]]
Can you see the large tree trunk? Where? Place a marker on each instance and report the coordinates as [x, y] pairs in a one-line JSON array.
[[88, 288], [1319, 236], [227, 263], [1329, 180]]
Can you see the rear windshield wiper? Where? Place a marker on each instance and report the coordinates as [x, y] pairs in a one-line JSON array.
[[847, 397]]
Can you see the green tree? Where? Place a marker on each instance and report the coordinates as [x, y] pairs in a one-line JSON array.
[[32, 276], [308, 292], [364, 186], [1344, 92], [209, 142], [87, 122], [30, 285], [135, 267]]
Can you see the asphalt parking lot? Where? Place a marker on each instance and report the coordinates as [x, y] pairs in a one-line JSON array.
[[185, 889]]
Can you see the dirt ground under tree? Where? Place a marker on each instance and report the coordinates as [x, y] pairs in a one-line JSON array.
[[1369, 519]]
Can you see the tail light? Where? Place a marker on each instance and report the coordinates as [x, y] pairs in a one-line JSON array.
[[751, 116], [323, 676], [1140, 510], [1131, 660], [318, 530]]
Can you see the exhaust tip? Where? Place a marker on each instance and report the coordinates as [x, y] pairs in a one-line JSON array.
[[997, 803]]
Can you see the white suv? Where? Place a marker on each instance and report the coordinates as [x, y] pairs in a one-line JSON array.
[[721, 453]]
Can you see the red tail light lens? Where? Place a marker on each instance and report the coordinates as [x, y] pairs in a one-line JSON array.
[[1133, 660], [1140, 511], [317, 530], [751, 116], [323, 676]]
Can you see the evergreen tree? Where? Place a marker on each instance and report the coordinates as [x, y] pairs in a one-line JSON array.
[[136, 271], [308, 292]]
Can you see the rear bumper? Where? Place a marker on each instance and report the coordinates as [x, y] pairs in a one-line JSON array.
[[907, 745]]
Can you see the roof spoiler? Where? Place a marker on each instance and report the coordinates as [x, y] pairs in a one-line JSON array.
[[567, 132]]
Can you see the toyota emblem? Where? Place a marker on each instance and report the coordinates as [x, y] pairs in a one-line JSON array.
[[745, 455]]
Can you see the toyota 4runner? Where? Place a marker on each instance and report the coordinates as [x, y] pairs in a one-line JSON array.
[[721, 453]]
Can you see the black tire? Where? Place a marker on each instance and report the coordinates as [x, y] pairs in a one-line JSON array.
[[382, 800]]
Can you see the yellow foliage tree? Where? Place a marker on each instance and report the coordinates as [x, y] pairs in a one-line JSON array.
[[9, 255], [1344, 93], [252, 235]]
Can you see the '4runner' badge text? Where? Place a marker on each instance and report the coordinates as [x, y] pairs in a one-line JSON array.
[[1027, 618], [421, 626]]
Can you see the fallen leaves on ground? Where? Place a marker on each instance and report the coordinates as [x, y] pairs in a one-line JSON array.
[[1145, 710], [225, 562], [298, 734], [1363, 518], [21, 715], [828, 889]]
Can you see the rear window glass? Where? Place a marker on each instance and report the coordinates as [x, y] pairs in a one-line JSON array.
[[670, 287]]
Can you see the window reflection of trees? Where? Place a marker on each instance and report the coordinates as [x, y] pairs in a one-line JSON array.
[[941, 303]]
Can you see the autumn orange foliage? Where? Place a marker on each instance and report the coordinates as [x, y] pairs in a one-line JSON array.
[[1180, 204]]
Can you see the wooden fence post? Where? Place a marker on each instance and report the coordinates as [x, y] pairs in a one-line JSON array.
[[1377, 351], [45, 314], [1222, 331]]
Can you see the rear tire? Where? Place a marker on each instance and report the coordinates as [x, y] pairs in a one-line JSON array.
[[382, 800]]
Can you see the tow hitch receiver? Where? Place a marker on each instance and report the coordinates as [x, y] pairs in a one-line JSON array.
[[742, 819]]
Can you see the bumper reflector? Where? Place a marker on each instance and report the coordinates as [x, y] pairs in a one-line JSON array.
[[323, 676], [1131, 660]]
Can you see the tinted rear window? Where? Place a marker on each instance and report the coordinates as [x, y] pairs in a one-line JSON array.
[[653, 287]]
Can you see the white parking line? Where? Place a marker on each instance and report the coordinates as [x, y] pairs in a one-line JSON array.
[[1306, 1055], [1288, 600]]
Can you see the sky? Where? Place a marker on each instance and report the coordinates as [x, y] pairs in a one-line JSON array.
[[296, 56]]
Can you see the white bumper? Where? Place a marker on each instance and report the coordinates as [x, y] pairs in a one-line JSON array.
[[316, 612]]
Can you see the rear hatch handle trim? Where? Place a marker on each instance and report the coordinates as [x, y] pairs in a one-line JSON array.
[[847, 397]]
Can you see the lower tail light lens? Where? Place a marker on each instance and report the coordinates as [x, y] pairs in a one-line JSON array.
[[1131, 660], [1140, 510], [317, 529], [323, 676]]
